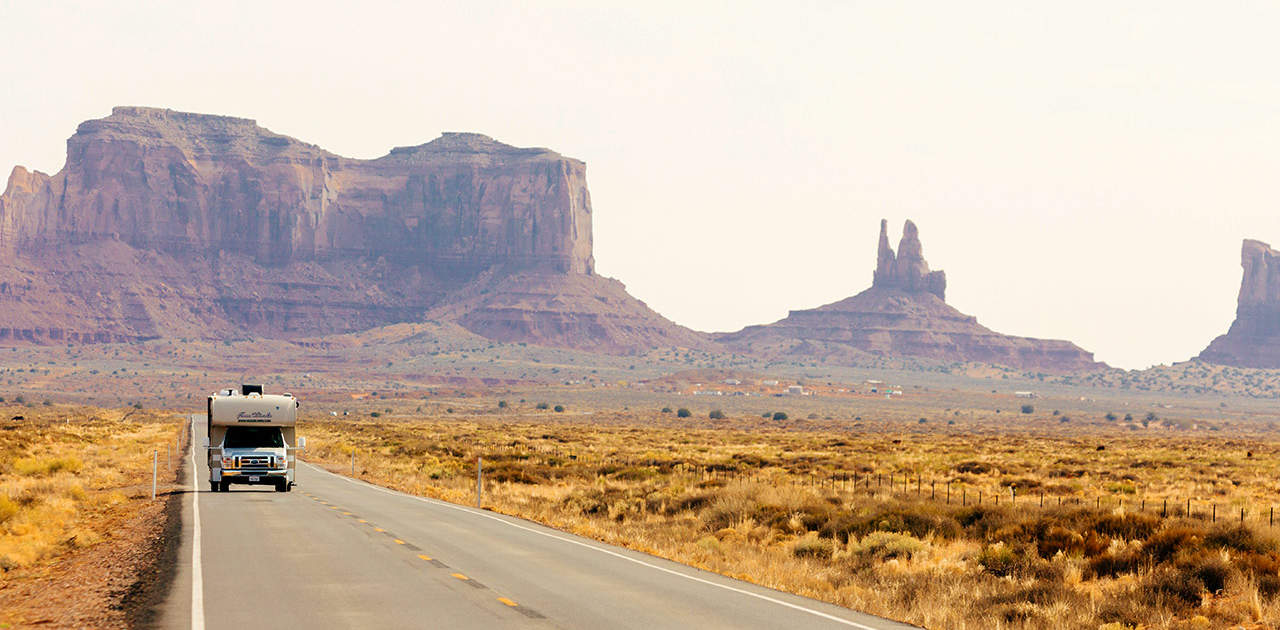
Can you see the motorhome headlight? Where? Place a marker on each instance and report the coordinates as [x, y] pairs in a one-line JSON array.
[[228, 462], [280, 460]]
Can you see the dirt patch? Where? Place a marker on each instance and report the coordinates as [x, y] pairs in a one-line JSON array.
[[141, 604]]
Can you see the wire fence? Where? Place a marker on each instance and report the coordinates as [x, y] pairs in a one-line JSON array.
[[898, 486]]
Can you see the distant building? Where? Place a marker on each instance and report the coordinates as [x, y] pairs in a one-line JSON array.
[[769, 383], [795, 389], [732, 381], [1025, 394]]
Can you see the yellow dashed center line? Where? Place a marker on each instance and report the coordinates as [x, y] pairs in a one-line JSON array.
[[347, 514], [427, 558], [460, 576], [399, 542], [508, 602], [379, 529], [362, 520]]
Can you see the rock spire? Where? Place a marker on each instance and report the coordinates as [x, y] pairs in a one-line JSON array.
[[1254, 337], [907, 270]]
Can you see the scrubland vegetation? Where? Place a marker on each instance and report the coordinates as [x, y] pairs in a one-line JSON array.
[[71, 479], [858, 516]]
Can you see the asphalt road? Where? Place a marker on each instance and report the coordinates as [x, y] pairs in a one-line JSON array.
[[340, 553]]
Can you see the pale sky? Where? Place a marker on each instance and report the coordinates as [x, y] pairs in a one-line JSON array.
[[1081, 170]]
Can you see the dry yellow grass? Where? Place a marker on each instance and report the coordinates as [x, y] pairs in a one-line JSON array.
[[762, 506], [68, 477]]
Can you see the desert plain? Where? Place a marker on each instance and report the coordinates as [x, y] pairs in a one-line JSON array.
[[947, 495]]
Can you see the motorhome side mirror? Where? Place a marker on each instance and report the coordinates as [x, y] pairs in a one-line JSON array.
[[206, 442], [302, 442]]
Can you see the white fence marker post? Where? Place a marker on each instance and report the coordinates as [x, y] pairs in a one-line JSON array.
[[479, 478], [155, 458], [353, 461]]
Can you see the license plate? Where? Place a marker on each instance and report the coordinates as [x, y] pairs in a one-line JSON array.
[[254, 478]]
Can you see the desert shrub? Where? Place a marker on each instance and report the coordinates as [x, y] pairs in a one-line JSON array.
[[1168, 542], [916, 520], [1239, 538], [814, 515], [1028, 601], [593, 500], [515, 474], [666, 410], [1129, 526], [542, 406], [8, 508], [502, 404], [973, 467], [779, 415], [751, 460], [886, 545], [1001, 560], [636, 473], [1268, 585], [1057, 539], [39, 467], [1122, 613], [691, 501], [683, 413], [1210, 568], [1117, 561], [810, 546], [1168, 585], [558, 408], [716, 414], [1028, 409], [982, 521], [1021, 484]]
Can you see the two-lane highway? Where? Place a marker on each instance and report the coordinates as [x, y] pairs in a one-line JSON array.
[[340, 553]]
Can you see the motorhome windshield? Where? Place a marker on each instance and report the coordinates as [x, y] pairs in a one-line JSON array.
[[253, 437]]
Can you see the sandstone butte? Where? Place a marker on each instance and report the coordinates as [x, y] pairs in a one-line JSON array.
[[1254, 337], [902, 314], [171, 224]]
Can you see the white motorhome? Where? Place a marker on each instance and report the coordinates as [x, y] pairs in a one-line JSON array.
[[251, 438]]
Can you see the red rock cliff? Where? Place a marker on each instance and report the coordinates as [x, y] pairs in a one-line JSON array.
[[189, 183], [165, 223], [1254, 337]]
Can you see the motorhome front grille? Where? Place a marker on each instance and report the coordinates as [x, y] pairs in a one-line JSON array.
[[262, 462]]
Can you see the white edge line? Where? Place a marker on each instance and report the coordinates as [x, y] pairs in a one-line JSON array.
[[197, 572], [580, 543]]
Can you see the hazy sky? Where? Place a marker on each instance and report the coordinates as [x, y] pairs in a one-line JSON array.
[[1081, 170]]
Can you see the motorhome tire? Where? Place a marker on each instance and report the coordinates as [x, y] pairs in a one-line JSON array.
[[224, 486]]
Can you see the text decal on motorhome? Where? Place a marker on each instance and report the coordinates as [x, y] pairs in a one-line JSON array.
[[253, 416]]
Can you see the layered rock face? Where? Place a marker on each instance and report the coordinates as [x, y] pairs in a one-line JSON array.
[[166, 223], [1254, 337], [188, 183], [902, 314]]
